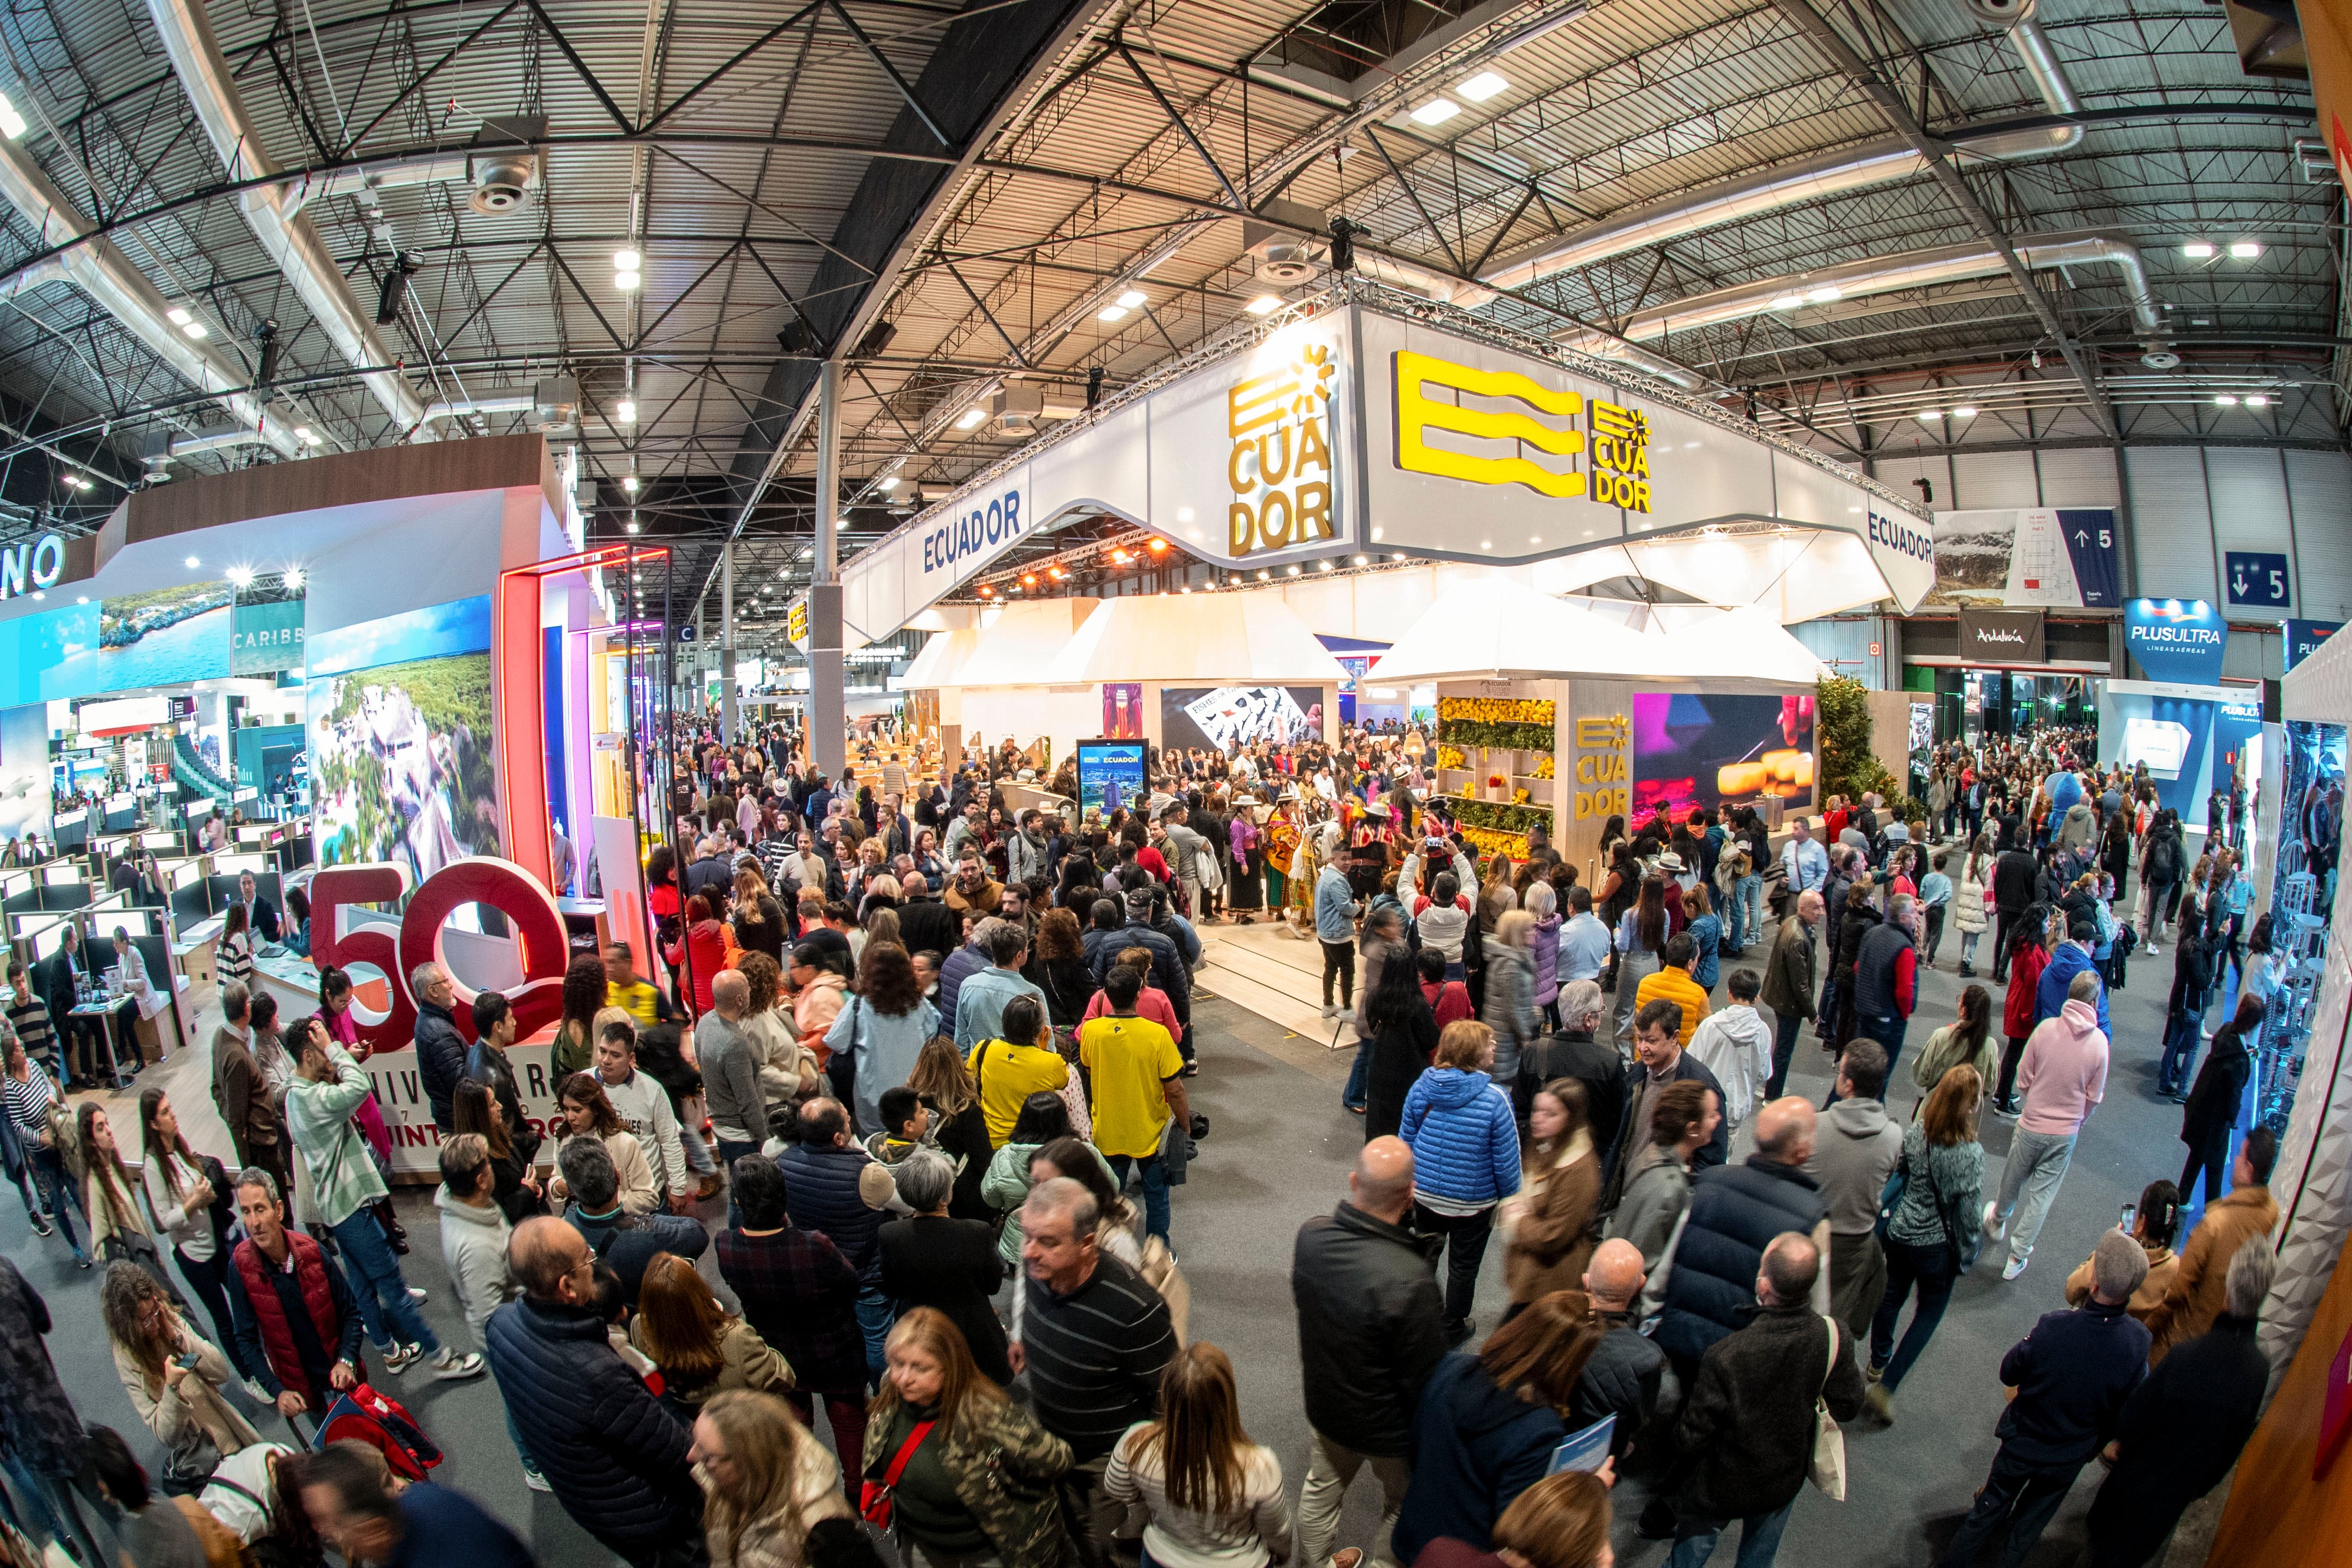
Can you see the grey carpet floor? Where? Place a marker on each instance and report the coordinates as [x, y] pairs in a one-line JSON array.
[[1278, 1153]]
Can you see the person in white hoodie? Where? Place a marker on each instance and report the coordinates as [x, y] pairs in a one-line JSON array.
[[2060, 1080], [474, 1233], [1734, 1044]]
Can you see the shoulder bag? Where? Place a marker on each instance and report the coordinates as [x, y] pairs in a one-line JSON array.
[[873, 1497], [1828, 1469]]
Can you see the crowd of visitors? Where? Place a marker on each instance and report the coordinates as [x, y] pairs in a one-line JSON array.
[[925, 1046]]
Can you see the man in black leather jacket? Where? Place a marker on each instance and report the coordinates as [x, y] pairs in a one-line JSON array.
[[1371, 1331]]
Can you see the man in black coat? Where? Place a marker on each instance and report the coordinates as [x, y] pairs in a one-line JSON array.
[[2073, 1375], [2014, 879], [1659, 1059], [2182, 1429], [1371, 1331], [1625, 1373], [1736, 1212], [1574, 1053], [614, 1453], [440, 1049], [1746, 1435]]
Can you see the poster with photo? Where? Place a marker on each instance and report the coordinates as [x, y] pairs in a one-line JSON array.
[[24, 772], [164, 639], [1122, 718], [400, 740], [1697, 749], [2062, 558], [1227, 718], [1110, 775]]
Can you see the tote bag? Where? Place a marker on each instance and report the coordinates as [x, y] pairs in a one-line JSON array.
[[1828, 1469]]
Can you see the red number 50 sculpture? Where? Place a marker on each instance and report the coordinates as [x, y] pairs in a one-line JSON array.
[[539, 936]]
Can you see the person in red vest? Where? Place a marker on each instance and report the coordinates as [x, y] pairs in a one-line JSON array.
[[298, 1324]]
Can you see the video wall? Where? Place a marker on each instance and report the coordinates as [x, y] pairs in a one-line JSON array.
[[400, 757], [1227, 718], [1721, 749], [189, 632]]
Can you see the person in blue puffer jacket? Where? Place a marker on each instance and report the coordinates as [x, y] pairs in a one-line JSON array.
[[1465, 1159]]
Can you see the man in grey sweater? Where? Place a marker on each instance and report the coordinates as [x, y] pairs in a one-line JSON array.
[[1856, 1151], [731, 1070]]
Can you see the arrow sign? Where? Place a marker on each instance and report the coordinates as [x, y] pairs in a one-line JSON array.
[[2257, 579]]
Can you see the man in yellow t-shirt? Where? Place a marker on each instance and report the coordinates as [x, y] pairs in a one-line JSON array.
[[622, 989], [1011, 1069], [1138, 1078], [1673, 983]]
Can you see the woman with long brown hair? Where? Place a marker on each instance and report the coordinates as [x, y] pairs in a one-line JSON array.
[[1211, 1497], [1641, 941], [765, 1480], [1967, 1038], [1487, 1424], [1933, 1234], [585, 988], [118, 1228], [945, 1086], [188, 1205], [181, 1403], [882, 1028], [1057, 966], [701, 1348], [759, 918], [587, 1112], [1547, 1224], [988, 1489], [471, 1110]]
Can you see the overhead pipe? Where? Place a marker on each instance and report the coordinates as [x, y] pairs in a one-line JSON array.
[[1879, 162], [456, 408], [93, 263], [1910, 269], [283, 229]]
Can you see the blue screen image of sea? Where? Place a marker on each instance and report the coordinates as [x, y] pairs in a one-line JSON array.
[[194, 647]]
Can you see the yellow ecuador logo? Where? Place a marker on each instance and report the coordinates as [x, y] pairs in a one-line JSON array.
[[1280, 424], [1620, 472]]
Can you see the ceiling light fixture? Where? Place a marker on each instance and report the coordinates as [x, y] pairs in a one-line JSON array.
[[2198, 251], [1437, 111], [196, 329], [629, 483], [2258, 400], [2225, 400], [1788, 302], [1291, 570], [241, 577], [1322, 567], [12, 124], [1930, 416], [1262, 575], [1363, 561], [1134, 299], [890, 482], [971, 418], [625, 411], [178, 316], [627, 282], [633, 528], [292, 576], [2245, 249], [1263, 305], [1157, 545], [193, 562], [1483, 86], [1112, 313], [626, 261], [1825, 293], [1964, 413], [310, 437]]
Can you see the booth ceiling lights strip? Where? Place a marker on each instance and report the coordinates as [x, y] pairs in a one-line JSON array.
[[284, 231]]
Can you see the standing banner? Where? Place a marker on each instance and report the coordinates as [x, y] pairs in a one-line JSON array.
[[2064, 558], [2182, 641], [2001, 637], [2303, 637]]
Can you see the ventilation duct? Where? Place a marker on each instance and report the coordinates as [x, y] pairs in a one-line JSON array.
[[97, 266], [1911, 269], [1875, 163], [288, 235], [555, 401]]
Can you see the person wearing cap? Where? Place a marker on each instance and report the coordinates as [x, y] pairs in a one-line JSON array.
[[2072, 1375]]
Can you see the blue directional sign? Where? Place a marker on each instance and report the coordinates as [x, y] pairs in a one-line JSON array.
[[2256, 579]]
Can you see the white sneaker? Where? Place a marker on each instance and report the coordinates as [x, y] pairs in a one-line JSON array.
[[416, 1294], [400, 1358], [1993, 1223], [2013, 1268], [536, 1481], [1329, 1011], [450, 1367], [260, 1395]]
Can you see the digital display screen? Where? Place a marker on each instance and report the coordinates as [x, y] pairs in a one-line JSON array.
[[1698, 748], [1227, 718], [1110, 775]]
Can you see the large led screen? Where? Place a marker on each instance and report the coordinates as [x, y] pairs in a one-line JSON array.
[[1110, 775], [1697, 749], [1227, 718]]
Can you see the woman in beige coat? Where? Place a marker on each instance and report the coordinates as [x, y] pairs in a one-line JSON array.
[[588, 1113], [701, 1348], [182, 1404], [1548, 1222]]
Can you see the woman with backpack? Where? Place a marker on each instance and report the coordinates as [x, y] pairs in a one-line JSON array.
[[1931, 1235], [191, 1207]]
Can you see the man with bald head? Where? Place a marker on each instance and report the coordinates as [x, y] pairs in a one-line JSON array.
[[615, 1456], [1706, 1281], [1746, 1435], [1623, 1377], [1371, 1331]]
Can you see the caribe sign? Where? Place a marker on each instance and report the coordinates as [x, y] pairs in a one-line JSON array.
[[1619, 472]]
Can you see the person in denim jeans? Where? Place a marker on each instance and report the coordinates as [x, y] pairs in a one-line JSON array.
[[326, 1089], [1335, 929]]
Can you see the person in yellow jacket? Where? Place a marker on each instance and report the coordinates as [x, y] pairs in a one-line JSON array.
[[624, 988], [1673, 983]]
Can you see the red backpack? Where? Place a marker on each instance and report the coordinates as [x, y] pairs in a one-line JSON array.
[[382, 1424]]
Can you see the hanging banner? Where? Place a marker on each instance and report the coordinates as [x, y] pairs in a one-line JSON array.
[[2065, 558], [2178, 640], [2001, 637], [2303, 637]]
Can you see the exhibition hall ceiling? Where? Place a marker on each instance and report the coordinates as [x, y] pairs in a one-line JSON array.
[[1876, 226]]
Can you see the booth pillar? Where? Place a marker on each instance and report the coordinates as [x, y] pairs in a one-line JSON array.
[[828, 712]]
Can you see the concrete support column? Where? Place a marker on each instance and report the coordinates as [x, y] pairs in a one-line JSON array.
[[828, 709], [727, 642]]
